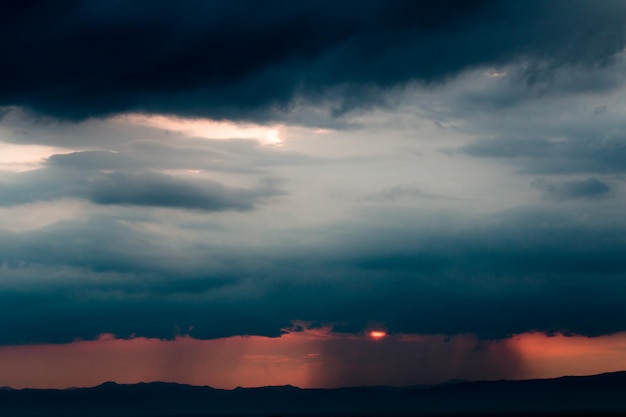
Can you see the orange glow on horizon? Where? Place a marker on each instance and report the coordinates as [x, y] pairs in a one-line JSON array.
[[309, 358], [553, 356]]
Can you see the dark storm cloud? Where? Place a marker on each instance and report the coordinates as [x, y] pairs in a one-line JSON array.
[[503, 274], [245, 59], [590, 188], [131, 270]]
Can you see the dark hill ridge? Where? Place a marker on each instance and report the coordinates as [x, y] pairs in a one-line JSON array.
[[603, 394]]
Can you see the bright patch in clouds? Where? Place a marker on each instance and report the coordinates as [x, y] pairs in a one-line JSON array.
[[19, 158], [206, 128]]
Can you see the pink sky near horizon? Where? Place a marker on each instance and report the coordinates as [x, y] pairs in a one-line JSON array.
[[308, 359]]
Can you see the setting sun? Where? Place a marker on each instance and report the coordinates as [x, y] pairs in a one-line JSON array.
[[377, 334]]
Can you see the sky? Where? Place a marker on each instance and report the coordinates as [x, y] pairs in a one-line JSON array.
[[243, 193]]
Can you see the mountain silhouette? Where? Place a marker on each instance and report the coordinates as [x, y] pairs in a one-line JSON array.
[[603, 394]]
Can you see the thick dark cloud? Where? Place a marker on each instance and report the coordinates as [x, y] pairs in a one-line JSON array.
[[506, 273], [245, 59]]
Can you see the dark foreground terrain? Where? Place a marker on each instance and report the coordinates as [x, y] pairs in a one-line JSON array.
[[572, 396]]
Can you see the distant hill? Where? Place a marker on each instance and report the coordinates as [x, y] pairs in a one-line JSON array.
[[596, 395]]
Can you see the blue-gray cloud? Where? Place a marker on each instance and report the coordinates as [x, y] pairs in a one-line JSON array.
[[158, 190], [603, 155], [590, 188], [143, 188]]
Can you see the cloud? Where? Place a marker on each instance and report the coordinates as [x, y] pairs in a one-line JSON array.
[[157, 190], [590, 188], [601, 155], [245, 60], [143, 188], [491, 276]]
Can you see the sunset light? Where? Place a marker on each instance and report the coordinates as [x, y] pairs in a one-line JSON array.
[[311, 196]]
